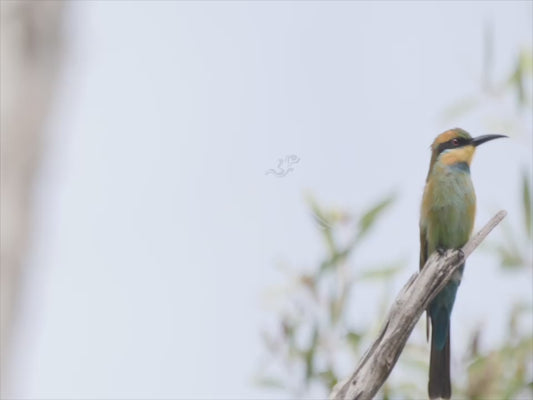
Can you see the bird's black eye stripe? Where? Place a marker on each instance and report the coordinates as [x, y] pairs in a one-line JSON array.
[[453, 144]]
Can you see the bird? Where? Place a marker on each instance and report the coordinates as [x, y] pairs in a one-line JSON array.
[[446, 221]]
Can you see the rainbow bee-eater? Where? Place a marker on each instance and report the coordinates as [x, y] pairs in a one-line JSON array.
[[446, 221]]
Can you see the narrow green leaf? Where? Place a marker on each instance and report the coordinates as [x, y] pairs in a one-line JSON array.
[[509, 258], [354, 339], [270, 382], [370, 217], [309, 355], [329, 378], [324, 223], [337, 258], [381, 273], [519, 76]]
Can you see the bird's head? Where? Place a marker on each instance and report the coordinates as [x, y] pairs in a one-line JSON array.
[[456, 146]]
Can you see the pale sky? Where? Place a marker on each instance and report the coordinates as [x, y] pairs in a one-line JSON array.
[[157, 230]]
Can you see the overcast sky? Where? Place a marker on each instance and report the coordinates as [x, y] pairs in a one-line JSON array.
[[157, 230]]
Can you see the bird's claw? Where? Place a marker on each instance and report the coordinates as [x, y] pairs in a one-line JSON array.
[[441, 251]]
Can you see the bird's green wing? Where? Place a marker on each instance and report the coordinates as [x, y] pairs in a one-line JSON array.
[[423, 259], [423, 247]]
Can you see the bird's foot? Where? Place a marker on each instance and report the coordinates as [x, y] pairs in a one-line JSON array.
[[441, 251]]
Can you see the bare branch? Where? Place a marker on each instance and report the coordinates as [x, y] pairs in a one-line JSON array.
[[411, 302]]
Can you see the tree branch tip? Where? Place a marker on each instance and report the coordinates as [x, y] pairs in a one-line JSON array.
[[502, 213]]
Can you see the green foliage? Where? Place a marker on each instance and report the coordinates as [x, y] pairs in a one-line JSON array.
[[515, 250], [502, 373], [368, 219], [518, 79], [315, 325], [315, 328]]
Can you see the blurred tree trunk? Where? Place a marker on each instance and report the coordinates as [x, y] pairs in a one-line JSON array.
[[30, 56]]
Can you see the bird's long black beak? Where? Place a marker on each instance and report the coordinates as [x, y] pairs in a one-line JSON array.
[[485, 138]]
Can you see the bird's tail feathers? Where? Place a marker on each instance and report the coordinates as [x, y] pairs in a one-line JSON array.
[[439, 386]]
